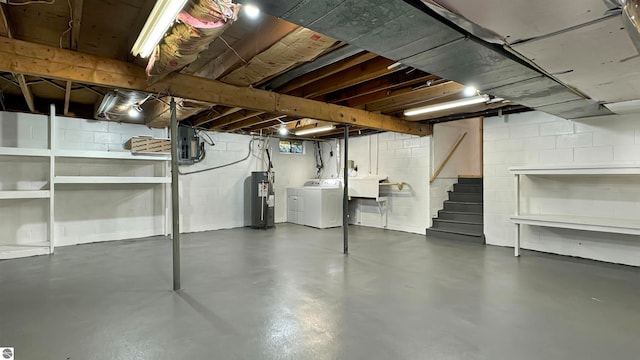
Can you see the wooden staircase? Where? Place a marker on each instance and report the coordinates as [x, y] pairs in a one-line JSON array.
[[461, 217]]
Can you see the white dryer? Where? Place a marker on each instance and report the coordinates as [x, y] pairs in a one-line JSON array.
[[318, 203]]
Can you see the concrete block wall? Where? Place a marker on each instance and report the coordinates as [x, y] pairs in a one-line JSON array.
[[214, 199], [403, 158], [538, 138]]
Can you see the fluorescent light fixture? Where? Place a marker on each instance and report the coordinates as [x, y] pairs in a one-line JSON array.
[[470, 91], [447, 105], [164, 13], [251, 11], [283, 130], [394, 65], [315, 130]]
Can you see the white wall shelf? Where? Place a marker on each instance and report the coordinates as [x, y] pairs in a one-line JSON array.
[[25, 194], [112, 180], [117, 155], [619, 226], [19, 251], [16, 151], [605, 169], [52, 156]]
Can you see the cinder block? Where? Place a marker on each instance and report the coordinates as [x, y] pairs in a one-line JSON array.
[[613, 137], [78, 136], [419, 152], [524, 131], [560, 127], [540, 143], [403, 153], [500, 133], [574, 140], [627, 153], [93, 125], [108, 138], [411, 143], [602, 154], [560, 156]]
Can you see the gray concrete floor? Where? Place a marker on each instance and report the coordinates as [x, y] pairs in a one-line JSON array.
[[289, 293]]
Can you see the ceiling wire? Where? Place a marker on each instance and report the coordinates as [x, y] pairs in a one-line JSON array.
[[70, 23], [232, 49]]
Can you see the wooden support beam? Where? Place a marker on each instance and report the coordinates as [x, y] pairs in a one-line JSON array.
[[76, 21], [49, 62], [26, 92], [67, 97]]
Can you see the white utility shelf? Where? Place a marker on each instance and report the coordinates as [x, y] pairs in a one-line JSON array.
[[118, 155], [25, 194], [19, 251], [605, 169], [16, 151], [618, 226], [112, 180]]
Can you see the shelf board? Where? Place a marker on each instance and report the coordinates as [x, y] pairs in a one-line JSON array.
[[112, 180], [619, 226], [21, 251], [118, 155], [16, 151], [573, 169], [25, 194]]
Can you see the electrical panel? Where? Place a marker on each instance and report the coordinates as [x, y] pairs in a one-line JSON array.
[[190, 148]]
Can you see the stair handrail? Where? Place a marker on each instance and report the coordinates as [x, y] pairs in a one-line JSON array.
[[446, 159]]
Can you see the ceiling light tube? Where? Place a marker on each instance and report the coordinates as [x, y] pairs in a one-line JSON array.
[[315, 130], [447, 105], [162, 16]]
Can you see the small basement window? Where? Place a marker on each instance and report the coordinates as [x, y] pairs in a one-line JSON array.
[[291, 147]]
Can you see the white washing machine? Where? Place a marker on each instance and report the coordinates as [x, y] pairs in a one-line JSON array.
[[318, 203]]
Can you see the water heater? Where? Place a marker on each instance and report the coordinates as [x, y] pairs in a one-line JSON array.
[[260, 200]]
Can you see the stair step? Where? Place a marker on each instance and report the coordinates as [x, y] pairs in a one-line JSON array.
[[463, 180], [467, 207], [453, 225], [467, 188], [456, 235], [460, 216], [465, 197]]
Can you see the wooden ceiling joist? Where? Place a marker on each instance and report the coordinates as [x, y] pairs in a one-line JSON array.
[[49, 62], [26, 92], [326, 71], [397, 101], [76, 21], [378, 86], [253, 121], [67, 97], [233, 118], [366, 71]]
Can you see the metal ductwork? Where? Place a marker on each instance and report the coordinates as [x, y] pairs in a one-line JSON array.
[[414, 34], [119, 105]]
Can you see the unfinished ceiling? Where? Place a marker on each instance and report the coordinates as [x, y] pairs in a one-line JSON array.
[[346, 53]]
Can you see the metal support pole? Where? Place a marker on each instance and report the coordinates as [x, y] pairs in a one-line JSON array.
[[175, 197], [345, 198]]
